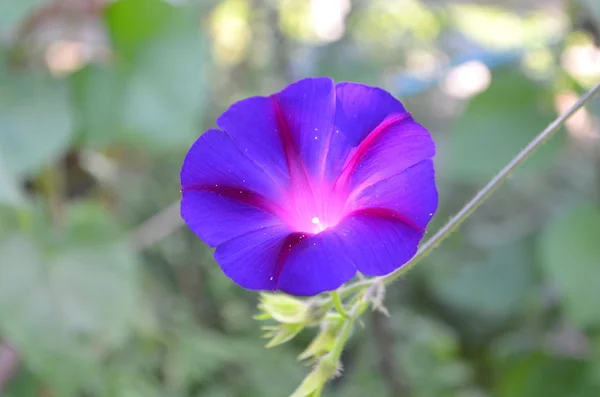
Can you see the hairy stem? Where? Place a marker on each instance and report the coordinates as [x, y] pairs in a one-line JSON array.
[[479, 198], [337, 303]]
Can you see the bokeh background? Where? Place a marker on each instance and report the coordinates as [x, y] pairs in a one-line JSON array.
[[103, 291]]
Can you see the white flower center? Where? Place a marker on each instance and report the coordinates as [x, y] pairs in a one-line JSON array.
[[319, 227]]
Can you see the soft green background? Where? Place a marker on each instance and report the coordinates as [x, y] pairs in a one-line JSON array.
[[100, 100]]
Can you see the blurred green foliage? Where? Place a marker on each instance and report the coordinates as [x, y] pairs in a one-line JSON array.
[[100, 100]]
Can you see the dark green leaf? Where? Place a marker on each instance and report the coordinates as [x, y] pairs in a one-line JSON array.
[[538, 375], [570, 255], [494, 286], [98, 94]]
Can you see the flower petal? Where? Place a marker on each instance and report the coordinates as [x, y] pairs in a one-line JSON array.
[[375, 137], [216, 218], [224, 193], [214, 160], [377, 242], [359, 110], [251, 259], [252, 124], [306, 111], [398, 145], [286, 131], [318, 263], [411, 194]]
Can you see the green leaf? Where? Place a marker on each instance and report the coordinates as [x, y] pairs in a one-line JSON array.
[[165, 95], [13, 12], [493, 286], [538, 375], [570, 256], [23, 383], [10, 192], [35, 121], [154, 95], [429, 355], [498, 123], [81, 291], [133, 24], [98, 97]]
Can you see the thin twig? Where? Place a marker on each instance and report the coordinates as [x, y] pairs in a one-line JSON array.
[[492, 185], [479, 198], [156, 228]]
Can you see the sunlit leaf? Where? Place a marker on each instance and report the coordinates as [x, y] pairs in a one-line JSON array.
[[155, 94], [152, 18], [498, 123]]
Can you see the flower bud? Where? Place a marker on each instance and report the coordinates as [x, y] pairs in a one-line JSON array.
[[281, 333], [324, 341], [326, 369], [283, 309]]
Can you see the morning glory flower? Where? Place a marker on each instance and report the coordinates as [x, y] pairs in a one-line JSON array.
[[300, 190]]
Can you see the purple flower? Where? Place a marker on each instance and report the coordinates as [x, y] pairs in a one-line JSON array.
[[300, 190]]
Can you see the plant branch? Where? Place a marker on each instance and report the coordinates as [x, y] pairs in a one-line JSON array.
[[157, 227], [492, 186], [479, 198]]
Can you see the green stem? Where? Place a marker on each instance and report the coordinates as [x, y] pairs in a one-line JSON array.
[[318, 390], [476, 201], [337, 303], [342, 338], [492, 186]]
